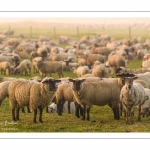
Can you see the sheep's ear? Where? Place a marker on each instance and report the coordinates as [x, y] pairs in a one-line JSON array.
[[83, 80], [71, 80]]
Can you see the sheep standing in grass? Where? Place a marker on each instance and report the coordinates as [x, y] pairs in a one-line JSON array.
[[35, 95], [96, 93], [64, 93], [50, 67], [131, 95]]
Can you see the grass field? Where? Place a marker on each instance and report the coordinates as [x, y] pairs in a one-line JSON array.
[[101, 117]]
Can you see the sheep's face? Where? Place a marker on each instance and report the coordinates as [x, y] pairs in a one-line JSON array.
[[77, 84], [51, 83]]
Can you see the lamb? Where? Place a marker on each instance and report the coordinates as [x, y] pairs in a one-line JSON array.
[[101, 93], [35, 95], [34, 62], [131, 95], [146, 106], [24, 66], [50, 67], [53, 107]]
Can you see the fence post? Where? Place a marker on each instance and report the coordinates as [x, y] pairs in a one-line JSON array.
[[78, 32], [9, 28], [54, 32], [30, 31]]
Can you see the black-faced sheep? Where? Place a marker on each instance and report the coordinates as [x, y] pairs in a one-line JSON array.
[[33, 94]]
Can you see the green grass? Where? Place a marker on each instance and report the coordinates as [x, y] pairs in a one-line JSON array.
[[101, 117]]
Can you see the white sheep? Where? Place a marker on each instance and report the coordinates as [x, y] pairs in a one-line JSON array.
[[131, 95], [33, 94]]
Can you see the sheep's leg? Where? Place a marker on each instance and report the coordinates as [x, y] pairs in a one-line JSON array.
[[46, 109], [77, 110], [69, 108], [40, 117], [59, 109], [120, 109], [28, 109], [34, 118], [17, 113], [127, 110], [117, 115], [139, 113], [84, 109], [80, 110], [13, 114], [23, 110], [88, 113]]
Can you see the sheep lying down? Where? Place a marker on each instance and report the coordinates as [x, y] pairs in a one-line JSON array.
[[53, 107]]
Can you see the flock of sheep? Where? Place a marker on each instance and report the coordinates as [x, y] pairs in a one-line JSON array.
[[94, 61]]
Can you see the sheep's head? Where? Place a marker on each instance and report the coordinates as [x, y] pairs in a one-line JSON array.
[[77, 83], [51, 83]]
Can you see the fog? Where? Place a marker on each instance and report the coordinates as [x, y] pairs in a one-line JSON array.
[[79, 20]]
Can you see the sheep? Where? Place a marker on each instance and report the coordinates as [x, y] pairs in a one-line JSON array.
[[53, 107], [64, 93], [27, 47], [13, 42], [24, 66], [100, 70], [81, 70], [36, 95], [34, 62], [116, 61], [43, 38], [131, 95], [146, 106], [50, 67], [145, 64], [42, 52], [4, 90], [101, 93], [90, 59], [5, 67]]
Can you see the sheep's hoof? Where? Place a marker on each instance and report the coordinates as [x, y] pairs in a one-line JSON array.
[[60, 114], [34, 122], [40, 121]]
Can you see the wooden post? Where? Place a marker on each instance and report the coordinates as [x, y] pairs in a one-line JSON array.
[[129, 32], [30, 31], [54, 32], [9, 28], [78, 32]]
